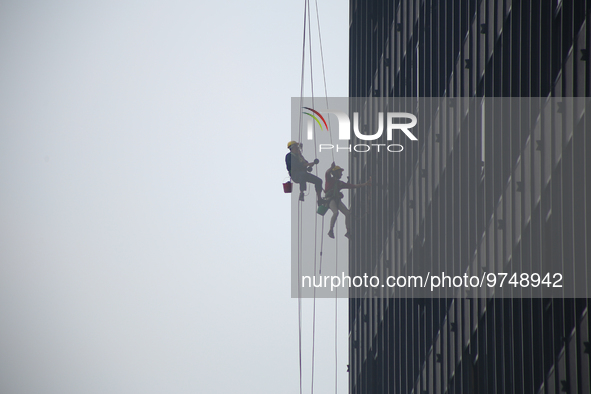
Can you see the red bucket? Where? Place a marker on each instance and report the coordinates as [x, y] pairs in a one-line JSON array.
[[287, 187]]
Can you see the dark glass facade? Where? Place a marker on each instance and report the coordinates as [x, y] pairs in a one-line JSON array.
[[492, 198]]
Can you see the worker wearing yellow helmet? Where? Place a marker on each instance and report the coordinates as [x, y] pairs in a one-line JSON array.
[[333, 195], [299, 170]]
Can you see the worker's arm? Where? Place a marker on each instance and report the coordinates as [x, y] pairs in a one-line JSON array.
[[328, 172], [345, 185], [308, 164]]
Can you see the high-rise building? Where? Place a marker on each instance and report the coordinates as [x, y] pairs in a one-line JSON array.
[[492, 198]]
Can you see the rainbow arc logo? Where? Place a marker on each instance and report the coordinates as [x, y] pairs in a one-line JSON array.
[[315, 118]]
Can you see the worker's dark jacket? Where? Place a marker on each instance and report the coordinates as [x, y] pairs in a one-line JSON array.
[[294, 166], [298, 172]]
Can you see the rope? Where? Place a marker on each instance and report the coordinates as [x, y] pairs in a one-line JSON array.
[[323, 74], [300, 292], [336, 238], [336, 264], [315, 216], [307, 24], [311, 79], [299, 204], [302, 77]]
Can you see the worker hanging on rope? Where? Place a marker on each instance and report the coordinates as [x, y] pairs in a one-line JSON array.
[[333, 195], [299, 170]]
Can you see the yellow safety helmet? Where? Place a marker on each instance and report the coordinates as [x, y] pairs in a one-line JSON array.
[[337, 168], [290, 143]]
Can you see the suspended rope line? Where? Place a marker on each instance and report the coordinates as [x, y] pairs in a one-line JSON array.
[[303, 68], [299, 203], [336, 239], [311, 77], [336, 359], [315, 216], [323, 74], [319, 271], [307, 25], [314, 305], [313, 337], [300, 292], [321, 245]]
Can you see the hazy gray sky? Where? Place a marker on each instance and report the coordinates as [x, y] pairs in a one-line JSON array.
[[144, 235]]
